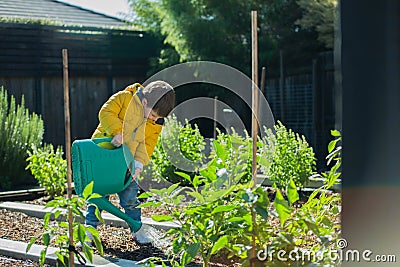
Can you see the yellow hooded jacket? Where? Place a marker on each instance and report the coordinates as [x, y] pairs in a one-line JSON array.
[[123, 113]]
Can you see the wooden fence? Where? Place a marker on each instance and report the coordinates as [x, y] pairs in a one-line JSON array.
[[305, 103], [101, 61]]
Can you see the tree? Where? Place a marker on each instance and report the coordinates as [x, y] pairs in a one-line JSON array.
[[220, 31], [204, 30], [321, 16]]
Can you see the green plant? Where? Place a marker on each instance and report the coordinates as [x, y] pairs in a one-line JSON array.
[[286, 155], [49, 168], [219, 207], [312, 229], [234, 150], [19, 130], [224, 215], [58, 232], [179, 149]]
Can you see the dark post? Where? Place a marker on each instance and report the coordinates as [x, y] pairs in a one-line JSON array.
[[370, 65], [282, 86]]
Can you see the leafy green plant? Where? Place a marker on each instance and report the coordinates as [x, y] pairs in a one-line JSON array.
[[180, 148], [49, 168], [234, 150], [286, 155], [19, 130], [311, 229], [223, 215], [219, 207], [58, 232]]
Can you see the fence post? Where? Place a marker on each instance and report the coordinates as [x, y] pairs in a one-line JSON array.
[[281, 85]]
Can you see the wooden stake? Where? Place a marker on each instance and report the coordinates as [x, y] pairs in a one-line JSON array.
[[68, 151], [254, 70]]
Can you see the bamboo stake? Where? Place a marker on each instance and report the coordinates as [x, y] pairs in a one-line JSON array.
[[68, 151], [254, 70]]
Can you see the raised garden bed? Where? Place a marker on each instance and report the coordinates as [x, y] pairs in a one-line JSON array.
[[117, 241]]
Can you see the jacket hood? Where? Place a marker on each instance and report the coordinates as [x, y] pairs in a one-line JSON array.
[[133, 87]]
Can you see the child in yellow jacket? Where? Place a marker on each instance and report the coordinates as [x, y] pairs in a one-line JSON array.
[[131, 117]]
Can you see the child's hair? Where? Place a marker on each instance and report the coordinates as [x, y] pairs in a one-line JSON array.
[[160, 97]]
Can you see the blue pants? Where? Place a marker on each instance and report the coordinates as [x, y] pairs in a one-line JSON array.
[[128, 201]]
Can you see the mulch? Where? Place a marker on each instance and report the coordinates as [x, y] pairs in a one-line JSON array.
[[117, 241]]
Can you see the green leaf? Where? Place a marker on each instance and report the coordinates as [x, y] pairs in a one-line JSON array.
[[326, 221], [145, 195], [223, 208], [332, 145], [220, 151], [236, 219], [46, 218], [197, 180], [291, 192], [31, 242], [281, 207], [94, 195], [199, 198], [88, 252], [46, 239], [60, 257], [335, 133], [146, 204], [221, 242], [42, 256], [263, 212], [81, 233], [172, 188], [88, 190], [184, 175], [63, 225], [96, 239], [162, 218], [263, 161], [98, 215], [193, 249], [185, 259]]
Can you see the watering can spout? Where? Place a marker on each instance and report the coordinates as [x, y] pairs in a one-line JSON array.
[[108, 171], [103, 204]]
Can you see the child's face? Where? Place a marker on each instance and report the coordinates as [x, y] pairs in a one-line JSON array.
[[150, 113], [153, 115]]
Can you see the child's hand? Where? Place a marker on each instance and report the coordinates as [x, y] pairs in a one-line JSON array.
[[117, 140]]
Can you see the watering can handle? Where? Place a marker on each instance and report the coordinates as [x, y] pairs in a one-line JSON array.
[[101, 140]]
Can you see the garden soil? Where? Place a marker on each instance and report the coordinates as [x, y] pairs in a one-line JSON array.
[[117, 242]]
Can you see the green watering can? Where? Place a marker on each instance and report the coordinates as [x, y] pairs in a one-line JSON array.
[[107, 168]]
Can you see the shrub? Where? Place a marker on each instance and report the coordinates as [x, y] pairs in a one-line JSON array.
[[179, 149], [49, 168], [19, 130], [286, 155]]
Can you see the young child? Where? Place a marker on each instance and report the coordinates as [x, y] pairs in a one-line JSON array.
[[130, 117]]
